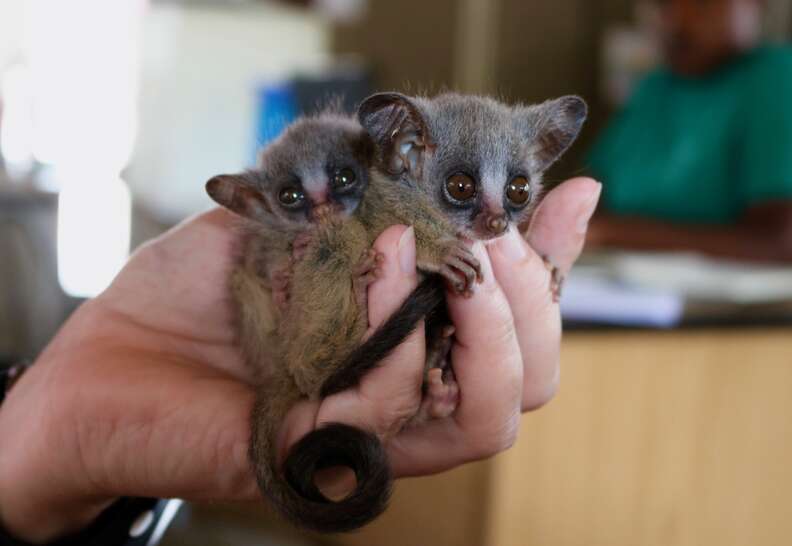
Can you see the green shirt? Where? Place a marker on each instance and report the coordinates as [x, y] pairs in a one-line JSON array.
[[702, 150]]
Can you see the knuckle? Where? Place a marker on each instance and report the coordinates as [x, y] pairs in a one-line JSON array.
[[499, 323], [391, 418], [539, 391], [233, 477], [538, 396], [389, 425], [495, 441]]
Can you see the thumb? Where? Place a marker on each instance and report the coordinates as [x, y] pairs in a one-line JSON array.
[[391, 392]]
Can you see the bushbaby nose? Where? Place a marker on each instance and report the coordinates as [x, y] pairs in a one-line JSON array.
[[317, 191], [497, 224], [322, 211]]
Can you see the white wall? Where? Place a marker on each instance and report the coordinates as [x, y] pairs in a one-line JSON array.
[[11, 29], [200, 68]]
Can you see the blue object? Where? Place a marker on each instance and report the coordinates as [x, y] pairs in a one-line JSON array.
[[276, 107]]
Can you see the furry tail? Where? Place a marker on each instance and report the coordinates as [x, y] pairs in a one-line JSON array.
[[336, 444], [425, 302], [292, 489]]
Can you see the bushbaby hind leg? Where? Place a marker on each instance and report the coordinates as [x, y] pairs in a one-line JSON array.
[[439, 347], [440, 398], [441, 391]]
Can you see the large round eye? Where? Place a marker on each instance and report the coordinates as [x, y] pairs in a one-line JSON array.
[[290, 196], [461, 187], [518, 191], [344, 178]]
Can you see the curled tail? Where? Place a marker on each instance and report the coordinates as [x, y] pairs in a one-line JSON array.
[[292, 489], [425, 302]]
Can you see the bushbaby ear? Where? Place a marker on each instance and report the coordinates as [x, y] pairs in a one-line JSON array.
[[236, 193], [399, 132], [553, 127]]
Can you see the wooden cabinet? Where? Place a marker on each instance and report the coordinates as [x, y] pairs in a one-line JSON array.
[[656, 438]]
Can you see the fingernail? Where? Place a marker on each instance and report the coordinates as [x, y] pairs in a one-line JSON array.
[[512, 246], [406, 250], [480, 251], [587, 210]]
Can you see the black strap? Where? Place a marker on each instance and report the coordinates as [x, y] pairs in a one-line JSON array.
[[3, 383], [7, 377], [128, 522]]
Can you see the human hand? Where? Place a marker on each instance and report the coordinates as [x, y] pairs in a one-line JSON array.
[[143, 393], [506, 351]]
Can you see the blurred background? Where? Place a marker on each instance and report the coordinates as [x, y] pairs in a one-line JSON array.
[[672, 425]]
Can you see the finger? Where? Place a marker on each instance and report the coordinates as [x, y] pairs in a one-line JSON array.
[[525, 281], [486, 355], [558, 228], [558, 232], [488, 367], [389, 393], [399, 276]]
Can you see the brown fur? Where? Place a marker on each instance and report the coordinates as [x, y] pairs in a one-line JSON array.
[[318, 321], [323, 321], [296, 341]]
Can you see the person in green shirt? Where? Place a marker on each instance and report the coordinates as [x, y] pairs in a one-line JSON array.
[[700, 159]]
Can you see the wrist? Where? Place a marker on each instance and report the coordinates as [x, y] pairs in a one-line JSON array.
[[44, 523], [39, 500]]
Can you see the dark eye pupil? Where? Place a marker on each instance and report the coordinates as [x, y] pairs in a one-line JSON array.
[[290, 196], [461, 187], [344, 177], [518, 191]]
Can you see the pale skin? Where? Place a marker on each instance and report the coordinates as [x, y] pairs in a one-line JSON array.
[[763, 234], [143, 393]]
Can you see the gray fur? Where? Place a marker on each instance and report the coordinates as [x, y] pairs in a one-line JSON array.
[[489, 141], [304, 157], [314, 323], [420, 143]]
